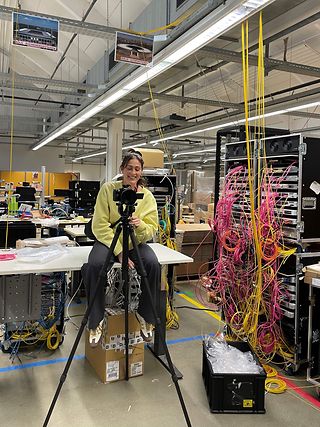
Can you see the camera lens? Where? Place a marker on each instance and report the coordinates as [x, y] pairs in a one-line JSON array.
[[128, 197]]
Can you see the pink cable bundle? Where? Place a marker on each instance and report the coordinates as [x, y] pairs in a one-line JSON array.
[[232, 280]]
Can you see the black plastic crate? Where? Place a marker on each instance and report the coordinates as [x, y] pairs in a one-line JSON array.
[[234, 393]]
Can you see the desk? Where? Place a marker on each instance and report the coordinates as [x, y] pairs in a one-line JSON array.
[[72, 222], [62, 223], [78, 234], [77, 256]]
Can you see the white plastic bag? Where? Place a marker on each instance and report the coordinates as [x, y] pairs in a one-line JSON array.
[[41, 255]]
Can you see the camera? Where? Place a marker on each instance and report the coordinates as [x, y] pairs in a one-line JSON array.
[[126, 196]]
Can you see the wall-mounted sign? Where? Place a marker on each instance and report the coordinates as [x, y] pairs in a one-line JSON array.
[[133, 48], [34, 31]]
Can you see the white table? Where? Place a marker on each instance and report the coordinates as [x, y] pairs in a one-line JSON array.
[[77, 233], [77, 256]]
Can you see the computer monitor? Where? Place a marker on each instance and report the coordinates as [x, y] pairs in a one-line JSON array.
[[61, 192], [27, 195]]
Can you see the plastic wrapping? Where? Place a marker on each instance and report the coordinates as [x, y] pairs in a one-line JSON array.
[[225, 358], [41, 255]]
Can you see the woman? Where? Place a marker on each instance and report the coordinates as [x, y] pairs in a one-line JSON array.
[[145, 223]]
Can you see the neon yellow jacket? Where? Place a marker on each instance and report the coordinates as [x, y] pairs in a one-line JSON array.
[[106, 213]]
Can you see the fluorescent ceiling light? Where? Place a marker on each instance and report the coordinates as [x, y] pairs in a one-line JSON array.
[[225, 17], [134, 146], [86, 156], [184, 153], [237, 122], [209, 159]]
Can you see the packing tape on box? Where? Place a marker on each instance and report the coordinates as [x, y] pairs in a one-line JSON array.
[[117, 342]]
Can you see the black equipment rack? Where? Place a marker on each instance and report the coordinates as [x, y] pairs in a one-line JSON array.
[[279, 150], [82, 195]]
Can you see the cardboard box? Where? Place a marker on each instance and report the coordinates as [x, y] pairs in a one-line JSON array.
[[108, 357], [312, 272], [202, 216], [152, 157], [193, 234], [210, 207], [191, 269]]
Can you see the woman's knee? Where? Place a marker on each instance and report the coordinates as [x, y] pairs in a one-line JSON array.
[[95, 265]]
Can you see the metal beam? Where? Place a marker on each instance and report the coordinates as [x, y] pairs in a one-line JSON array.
[[45, 101], [136, 131], [31, 120], [103, 138], [310, 129], [26, 144], [186, 100], [35, 107], [295, 96], [269, 63], [148, 132], [10, 85], [303, 114], [66, 24], [45, 81], [128, 117]]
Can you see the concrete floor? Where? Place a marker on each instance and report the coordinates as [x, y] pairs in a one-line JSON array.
[[146, 401]]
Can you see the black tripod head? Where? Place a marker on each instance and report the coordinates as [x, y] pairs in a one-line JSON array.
[[127, 197]]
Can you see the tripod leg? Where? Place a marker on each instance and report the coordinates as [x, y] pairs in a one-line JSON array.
[[101, 280], [125, 278], [144, 277]]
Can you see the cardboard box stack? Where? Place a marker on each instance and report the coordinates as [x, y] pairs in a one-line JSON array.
[[194, 240], [108, 357], [152, 157], [312, 275], [202, 216]]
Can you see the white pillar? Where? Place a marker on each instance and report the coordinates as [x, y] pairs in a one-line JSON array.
[[114, 148], [43, 183]]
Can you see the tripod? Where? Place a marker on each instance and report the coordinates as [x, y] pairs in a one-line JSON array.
[[123, 225]]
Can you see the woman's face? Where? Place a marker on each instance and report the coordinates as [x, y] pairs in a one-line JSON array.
[[132, 173]]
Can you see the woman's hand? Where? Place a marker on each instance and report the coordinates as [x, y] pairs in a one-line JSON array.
[[135, 221], [130, 262]]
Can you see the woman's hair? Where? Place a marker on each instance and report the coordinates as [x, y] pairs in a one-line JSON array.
[[133, 154]]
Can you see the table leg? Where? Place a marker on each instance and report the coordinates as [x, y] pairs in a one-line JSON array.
[[157, 347]]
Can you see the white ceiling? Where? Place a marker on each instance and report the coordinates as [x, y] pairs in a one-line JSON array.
[[222, 85]]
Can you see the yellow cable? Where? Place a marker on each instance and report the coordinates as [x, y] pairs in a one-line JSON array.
[[270, 371], [158, 124], [53, 334], [256, 232], [275, 385], [165, 27]]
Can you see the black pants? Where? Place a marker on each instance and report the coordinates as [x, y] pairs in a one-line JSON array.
[[90, 273]]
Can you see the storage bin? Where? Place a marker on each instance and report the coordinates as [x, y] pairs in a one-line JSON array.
[[234, 393]]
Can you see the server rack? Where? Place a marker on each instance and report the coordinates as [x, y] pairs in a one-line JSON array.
[[163, 187], [313, 371], [82, 196], [300, 208], [31, 303]]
